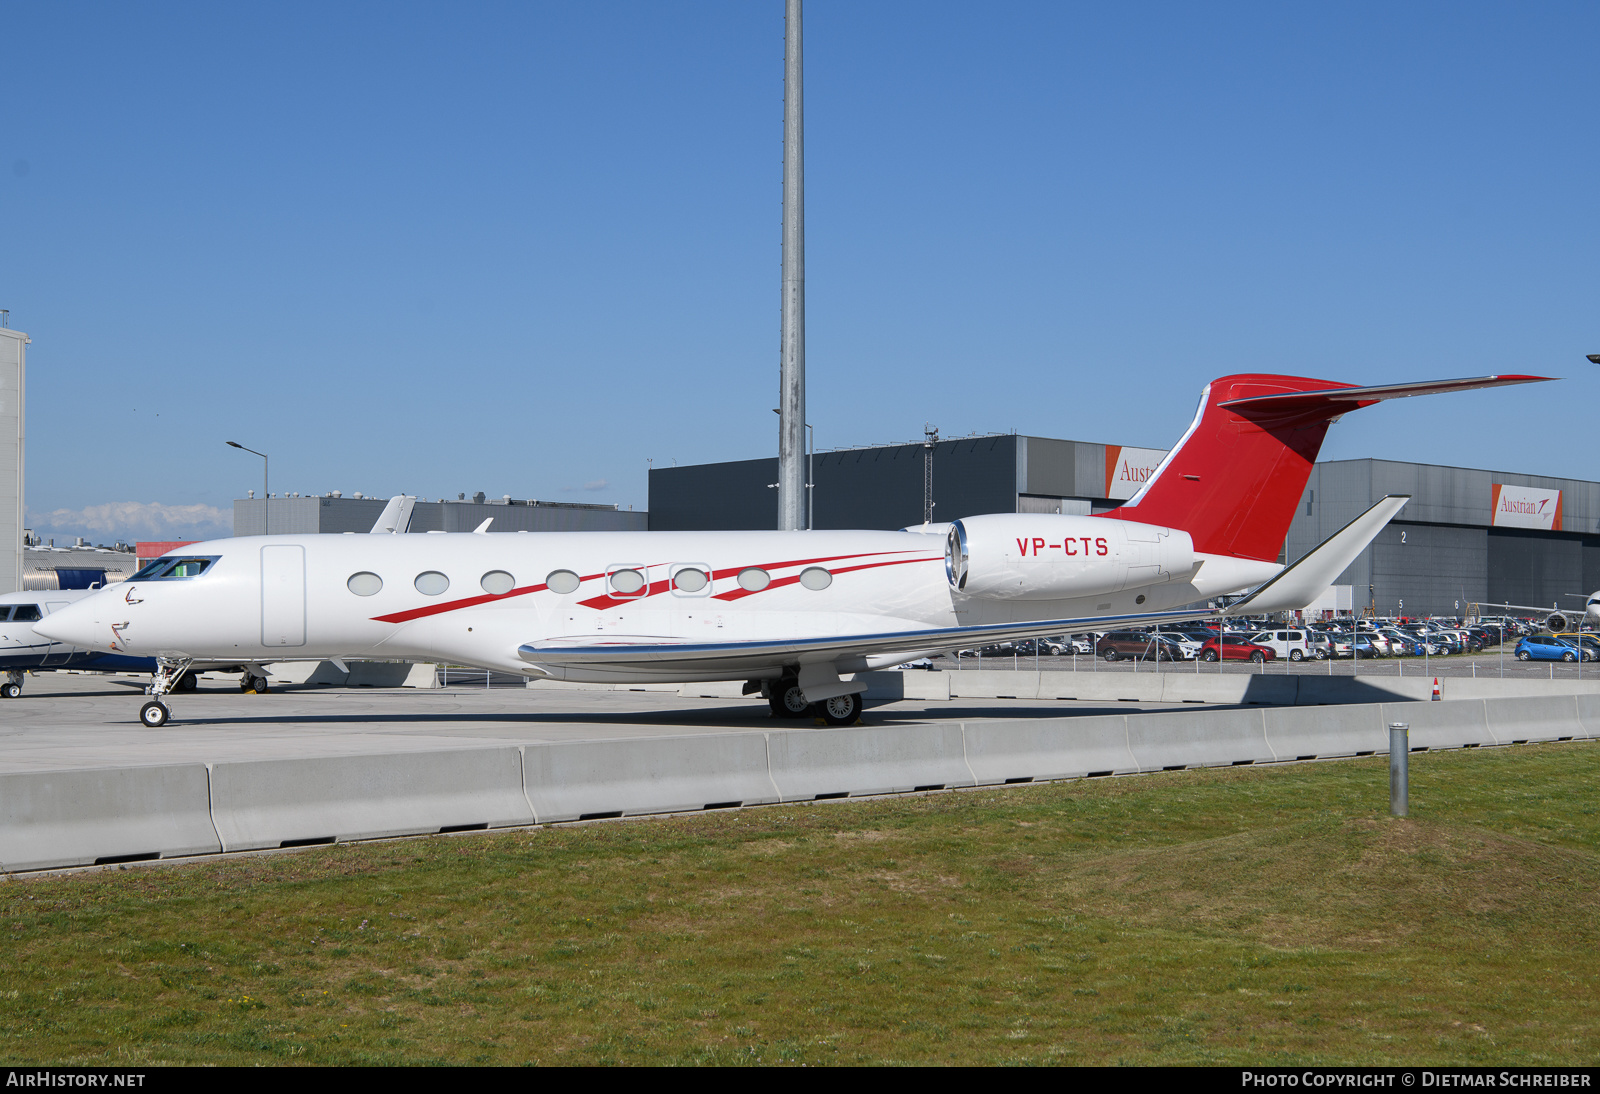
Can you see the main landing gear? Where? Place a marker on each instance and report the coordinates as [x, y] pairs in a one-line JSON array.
[[252, 683], [12, 688], [788, 701], [170, 675]]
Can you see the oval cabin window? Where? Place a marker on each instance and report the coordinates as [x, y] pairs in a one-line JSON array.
[[498, 582], [431, 583]]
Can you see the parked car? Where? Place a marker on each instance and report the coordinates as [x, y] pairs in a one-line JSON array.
[[1136, 645], [1228, 650], [1188, 644], [1286, 643], [1364, 647], [1547, 647], [1341, 645]]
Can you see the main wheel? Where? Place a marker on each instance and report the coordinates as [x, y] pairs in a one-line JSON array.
[[10, 691], [1209, 655], [1296, 655], [1258, 657], [841, 710], [1524, 655], [787, 700], [187, 682], [153, 714]]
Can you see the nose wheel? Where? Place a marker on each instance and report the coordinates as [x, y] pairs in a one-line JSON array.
[[154, 714]]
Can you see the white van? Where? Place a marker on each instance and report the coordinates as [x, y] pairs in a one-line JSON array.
[[1287, 643]]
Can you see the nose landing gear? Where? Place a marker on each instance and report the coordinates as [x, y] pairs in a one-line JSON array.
[[169, 676]]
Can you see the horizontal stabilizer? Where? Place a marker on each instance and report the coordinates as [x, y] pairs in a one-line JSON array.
[[1366, 396], [1300, 584]]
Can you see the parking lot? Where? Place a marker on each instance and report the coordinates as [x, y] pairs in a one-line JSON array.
[[1491, 663]]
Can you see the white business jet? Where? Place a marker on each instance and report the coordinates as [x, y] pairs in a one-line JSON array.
[[791, 613]]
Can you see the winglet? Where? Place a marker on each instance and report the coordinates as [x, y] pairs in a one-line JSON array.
[[483, 529], [396, 516], [1300, 584]]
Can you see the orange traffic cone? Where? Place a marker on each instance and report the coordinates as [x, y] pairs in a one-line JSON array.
[[1435, 689]]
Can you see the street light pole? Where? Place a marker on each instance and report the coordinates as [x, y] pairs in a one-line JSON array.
[[266, 496]]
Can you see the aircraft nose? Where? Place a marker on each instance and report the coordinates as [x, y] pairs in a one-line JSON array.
[[76, 625]]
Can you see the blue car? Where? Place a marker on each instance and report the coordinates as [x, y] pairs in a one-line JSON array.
[[1545, 647]]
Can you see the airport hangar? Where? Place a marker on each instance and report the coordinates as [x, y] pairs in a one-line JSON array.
[[1467, 536], [333, 512]]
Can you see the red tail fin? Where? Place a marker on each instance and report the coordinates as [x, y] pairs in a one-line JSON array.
[[1236, 476]]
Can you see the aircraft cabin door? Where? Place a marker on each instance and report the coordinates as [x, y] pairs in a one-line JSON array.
[[283, 596]]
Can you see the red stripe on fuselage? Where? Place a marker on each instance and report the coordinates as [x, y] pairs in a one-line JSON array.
[[739, 594], [607, 600], [655, 588]]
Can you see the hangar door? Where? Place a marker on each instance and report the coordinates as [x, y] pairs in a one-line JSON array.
[[283, 596]]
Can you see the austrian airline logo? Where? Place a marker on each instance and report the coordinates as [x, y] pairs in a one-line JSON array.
[[1128, 469], [1526, 507]]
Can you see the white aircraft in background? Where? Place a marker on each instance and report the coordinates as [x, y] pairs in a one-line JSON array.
[[1556, 620], [23, 649], [790, 613]]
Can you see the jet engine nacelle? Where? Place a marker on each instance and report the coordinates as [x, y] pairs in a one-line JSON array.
[[1041, 556], [1559, 622]]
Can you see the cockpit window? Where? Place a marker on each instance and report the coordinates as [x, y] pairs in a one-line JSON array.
[[165, 569], [25, 613]]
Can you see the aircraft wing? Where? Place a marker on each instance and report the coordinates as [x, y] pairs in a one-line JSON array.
[[622, 653]]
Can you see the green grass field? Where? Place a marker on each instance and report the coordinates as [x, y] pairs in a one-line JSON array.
[[1245, 915]]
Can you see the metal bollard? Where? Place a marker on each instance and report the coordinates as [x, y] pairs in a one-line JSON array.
[[1399, 768]]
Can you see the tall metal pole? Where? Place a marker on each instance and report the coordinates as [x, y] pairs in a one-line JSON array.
[[266, 485], [792, 372]]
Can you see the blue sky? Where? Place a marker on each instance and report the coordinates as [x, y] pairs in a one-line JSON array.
[[526, 248]]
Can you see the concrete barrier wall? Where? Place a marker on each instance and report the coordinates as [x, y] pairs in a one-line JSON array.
[[77, 817], [879, 760], [1589, 714], [73, 818], [572, 780], [1198, 738], [1534, 719], [1174, 684], [1042, 749], [1455, 724], [265, 803], [1302, 733], [362, 674]]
